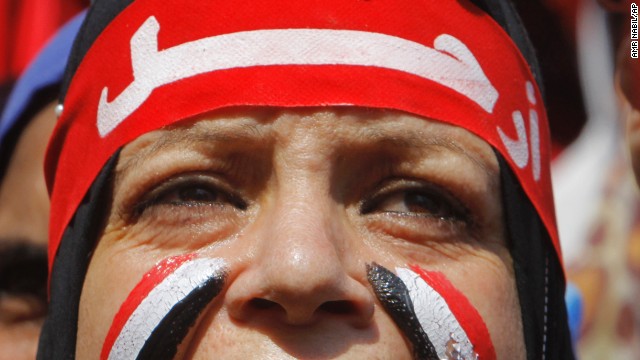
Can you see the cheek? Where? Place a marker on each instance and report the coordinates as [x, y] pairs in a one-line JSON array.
[[449, 326], [112, 274], [156, 313], [496, 299], [99, 301], [479, 315], [484, 274], [490, 289]]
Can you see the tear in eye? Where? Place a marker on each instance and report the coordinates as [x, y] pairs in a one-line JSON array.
[[418, 203], [192, 190], [196, 194], [427, 201], [413, 202], [190, 194]]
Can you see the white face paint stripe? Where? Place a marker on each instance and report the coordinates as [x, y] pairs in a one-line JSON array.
[[435, 316], [450, 63], [159, 302]]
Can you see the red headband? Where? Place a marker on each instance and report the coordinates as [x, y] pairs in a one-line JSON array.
[[160, 62]]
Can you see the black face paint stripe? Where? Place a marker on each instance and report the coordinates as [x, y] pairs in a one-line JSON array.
[[171, 331], [394, 297]]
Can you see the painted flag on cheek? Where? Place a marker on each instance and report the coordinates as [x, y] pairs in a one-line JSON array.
[[436, 318], [157, 314]]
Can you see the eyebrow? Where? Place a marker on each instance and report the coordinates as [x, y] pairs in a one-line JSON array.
[[413, 140], [247, 133], [172, 138]]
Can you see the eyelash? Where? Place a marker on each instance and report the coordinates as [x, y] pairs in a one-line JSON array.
[[448, 208], [222, 194], [454, 210]]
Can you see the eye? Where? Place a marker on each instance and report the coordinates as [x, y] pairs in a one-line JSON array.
[[192, 194], [192, 190], [23, 279], [416, 199]]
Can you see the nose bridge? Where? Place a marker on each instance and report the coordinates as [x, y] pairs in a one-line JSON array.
[[303, 219], [302, 240]]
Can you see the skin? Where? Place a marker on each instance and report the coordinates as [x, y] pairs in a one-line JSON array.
[[297, 202], [24, 212]]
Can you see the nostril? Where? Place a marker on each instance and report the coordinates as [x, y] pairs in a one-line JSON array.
[[262, 304], [340, 307]]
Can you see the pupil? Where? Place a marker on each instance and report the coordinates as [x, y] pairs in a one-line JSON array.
[[421, 203], [197, 194]]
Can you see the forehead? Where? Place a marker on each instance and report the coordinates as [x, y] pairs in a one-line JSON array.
[[336, 130]]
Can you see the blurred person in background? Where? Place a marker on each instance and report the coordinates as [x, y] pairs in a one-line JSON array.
[[25, 128]]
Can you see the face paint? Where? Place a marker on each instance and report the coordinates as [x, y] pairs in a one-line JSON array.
[[440, 306], [453, 327], [394, 296], [157, 314]]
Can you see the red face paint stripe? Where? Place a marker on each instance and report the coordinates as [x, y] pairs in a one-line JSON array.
[[149, 281], [463, 310]]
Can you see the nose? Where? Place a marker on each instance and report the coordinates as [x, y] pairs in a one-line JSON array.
[[302, 271]]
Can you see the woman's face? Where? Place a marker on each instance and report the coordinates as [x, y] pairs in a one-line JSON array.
[[297, 203]]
